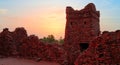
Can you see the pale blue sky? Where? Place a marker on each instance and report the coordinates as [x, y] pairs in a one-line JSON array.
[[43, 17]]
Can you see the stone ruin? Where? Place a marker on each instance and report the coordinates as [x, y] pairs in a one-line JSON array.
[[103, 50], [83, 44], [82, 26], [19, 44]]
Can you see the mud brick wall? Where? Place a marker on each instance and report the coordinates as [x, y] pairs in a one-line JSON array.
[[19, 44], [83, 44], [82, 26], [104, 50], [10, 41]]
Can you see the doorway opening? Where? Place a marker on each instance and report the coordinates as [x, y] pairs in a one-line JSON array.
[[83, 46]]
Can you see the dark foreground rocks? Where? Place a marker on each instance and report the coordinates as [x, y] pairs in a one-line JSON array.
[[19, 44], [84, 45], [104, 50]]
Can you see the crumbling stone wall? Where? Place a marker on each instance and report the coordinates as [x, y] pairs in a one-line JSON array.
[[33, 48], [104, 50], [19, 44], [82, 26], [6, 42], [84, 45], [10, 41]]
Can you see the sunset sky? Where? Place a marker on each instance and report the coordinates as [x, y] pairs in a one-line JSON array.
[[44, 17]]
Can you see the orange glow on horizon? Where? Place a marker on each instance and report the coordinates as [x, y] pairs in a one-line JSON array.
[[46, 23]]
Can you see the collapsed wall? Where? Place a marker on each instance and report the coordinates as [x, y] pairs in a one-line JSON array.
[[104, 50], [19, 44], [84, 45]]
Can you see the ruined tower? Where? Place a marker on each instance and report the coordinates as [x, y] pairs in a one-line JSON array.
[[82, 26]]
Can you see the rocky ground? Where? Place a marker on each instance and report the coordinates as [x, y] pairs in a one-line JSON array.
[[18, 61]]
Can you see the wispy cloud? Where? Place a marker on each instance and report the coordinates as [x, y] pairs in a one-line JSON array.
[[3, 11]]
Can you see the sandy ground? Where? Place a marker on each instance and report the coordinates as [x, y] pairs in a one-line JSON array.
[[17, 61]]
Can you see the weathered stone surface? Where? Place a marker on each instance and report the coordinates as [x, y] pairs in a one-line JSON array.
[[5, 42], [18, 44], [10, 41], [104, 50], [18, 36], [84, 45], [82, 26]]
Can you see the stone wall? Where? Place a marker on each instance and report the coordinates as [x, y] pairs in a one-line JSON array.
[[19, 44], [104, 50], [84, 45], [82, 26]]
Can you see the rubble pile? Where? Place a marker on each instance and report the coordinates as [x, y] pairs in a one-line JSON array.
[[32, 48], [72, 52], [6, 42], [10, 41], [83, 43], [19, 44], [104, 50]]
